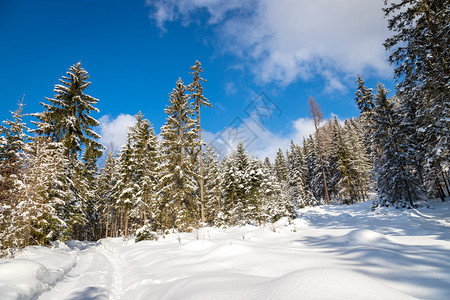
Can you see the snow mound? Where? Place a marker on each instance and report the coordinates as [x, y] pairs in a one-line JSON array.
[[361, 237], [34, 270], [23, 279], [57, 260], [328, 283]]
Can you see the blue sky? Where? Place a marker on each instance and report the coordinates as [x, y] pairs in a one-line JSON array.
[[135, 51]]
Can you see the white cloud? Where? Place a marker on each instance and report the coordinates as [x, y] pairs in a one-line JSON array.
[[258, 140], [287, 40], [303, 128], [167, 11], [114, 131]]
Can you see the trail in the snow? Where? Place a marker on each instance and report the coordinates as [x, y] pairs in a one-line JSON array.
[[96, 276], [114, 259], [338, 252]]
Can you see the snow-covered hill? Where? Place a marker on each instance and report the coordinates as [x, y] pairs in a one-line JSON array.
[[335, 252]]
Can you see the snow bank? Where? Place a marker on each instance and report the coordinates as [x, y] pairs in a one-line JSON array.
[[327, 283], [331, 252], [22, 279], [34, 270], [361, 237]]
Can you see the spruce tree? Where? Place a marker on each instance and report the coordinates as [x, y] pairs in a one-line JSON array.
[[274, 205], [106, 182], [124, 189], [178, 179], [145, 152], [229, 179], [296, 177], [12, 162], [241, 161], [67, 120], [354, 138], [47, 168], [313, 172], [364, 97], [347, 176], [254, 177], [212, 185], [396, 183], [67, 117], [90, 199], [419, 51]]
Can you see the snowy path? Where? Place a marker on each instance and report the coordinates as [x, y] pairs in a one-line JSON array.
[[95, 276], [334, 252]]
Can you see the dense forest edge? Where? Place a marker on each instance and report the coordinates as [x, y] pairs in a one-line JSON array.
[[52, 188]]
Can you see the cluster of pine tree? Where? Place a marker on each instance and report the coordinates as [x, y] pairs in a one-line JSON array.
[[47, 180], [51, 187], [334, 162], [410, 132]]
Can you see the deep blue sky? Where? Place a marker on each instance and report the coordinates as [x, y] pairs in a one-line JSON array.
[[135, 52]]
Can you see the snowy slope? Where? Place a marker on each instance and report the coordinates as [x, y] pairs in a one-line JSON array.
[[335, 252]]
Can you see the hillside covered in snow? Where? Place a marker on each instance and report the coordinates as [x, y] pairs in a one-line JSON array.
[[328, 252]]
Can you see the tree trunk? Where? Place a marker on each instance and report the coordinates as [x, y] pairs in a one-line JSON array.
[[106, 228], [201, 166], [445, 182], [440, 190], [125, 216]]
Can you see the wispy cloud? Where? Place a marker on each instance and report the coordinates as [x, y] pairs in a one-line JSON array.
[[287, 40], [114, 130]]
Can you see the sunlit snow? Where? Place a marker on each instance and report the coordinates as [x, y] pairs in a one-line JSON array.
[[335, 252]]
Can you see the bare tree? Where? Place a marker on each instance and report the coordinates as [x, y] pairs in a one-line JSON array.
[[317, 115]]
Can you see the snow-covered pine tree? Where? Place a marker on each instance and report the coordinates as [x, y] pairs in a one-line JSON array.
[[281, 172], [90, 199], [235, 188], [396, 183], [106, 182], [12, 162], [125, 187], [420, 53], [354, 134], [47, 186], [314, 178], [199, 100], [229, 179], [296, 177], [212, 185], [46, 191], [347, 176], [67, 117], [254, 178], [178, 179], [145, 152], [274, 205], [67, 120], [268, 165], [364, 98], [241, 161], [329, 157]]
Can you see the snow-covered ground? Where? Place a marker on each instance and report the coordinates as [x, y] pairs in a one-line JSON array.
[[335, 252]]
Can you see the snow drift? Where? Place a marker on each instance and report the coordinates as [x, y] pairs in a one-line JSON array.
[[334, 252]]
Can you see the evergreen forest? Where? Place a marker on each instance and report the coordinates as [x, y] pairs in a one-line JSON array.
[[53, 186]]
